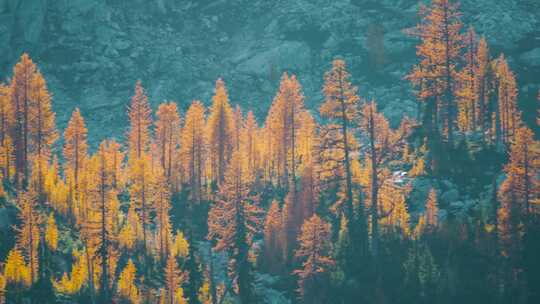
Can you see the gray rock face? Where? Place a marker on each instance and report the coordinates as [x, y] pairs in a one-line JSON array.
[[450, 197], [289, 55], [92, 52], [531, 57]]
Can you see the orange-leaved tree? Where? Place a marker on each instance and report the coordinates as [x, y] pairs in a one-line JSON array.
[[75, 152], [29, 231], [7, 120], [314, 252], [193, 149], [436, 77], [168, 141], [140, 120], [23, 73], [220, 133], [232, 222], [41, 128]]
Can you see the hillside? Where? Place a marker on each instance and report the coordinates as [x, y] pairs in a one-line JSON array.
[[280, 152], [92, 52]]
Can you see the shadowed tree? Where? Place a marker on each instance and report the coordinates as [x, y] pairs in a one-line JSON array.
[[314, 252], [232, 222]]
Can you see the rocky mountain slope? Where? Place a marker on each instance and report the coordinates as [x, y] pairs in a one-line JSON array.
[[93, 51]]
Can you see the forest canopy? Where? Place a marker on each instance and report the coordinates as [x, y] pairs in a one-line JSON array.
[[211, 204]]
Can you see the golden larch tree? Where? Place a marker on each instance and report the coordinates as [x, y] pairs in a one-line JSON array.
[[140, 120], [232, 222], [2, 289], [238, 119], [71, 284], [522, 185], [51, 233], [168, 140], [115, 157], [314, 252], [516, 195], [466, 92], [220, 132], [57, 190], [7, 120], [383, 146], [204, 296], [293, 99], [341, 108], [29, 232], [307, 140], [142, 193], [75, 151], [21, 83], [41, 127], [180, 246], [162, 207], [272, 257], [100, 221], [173, 281], [283, 123], [507, 115], [393, 211], [308, 166], [436, 77], [250, 147], [484, 75], [193, 150], [131, 232], [15, 270], [127, 290]]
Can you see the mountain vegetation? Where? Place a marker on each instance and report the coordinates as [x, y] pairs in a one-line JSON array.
[[211, 205]]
